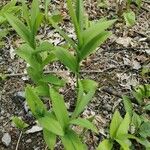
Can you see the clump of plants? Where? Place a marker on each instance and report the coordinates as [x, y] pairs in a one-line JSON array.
[[58, 122]]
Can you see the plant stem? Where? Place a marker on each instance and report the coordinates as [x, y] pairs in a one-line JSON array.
[[18, 141]]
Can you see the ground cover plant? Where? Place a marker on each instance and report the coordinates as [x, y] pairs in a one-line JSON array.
[[123, 9], [57, 121]]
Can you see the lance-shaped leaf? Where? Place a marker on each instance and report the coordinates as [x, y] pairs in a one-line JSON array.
[[91, 46], [59, 107], [26, 53], [20, 28], [74, 20], [129, 18], [35, 74], [34, 12], [95, 29], [124, 126], [124, 144], [66, 58], [8, 6], [86, 97], [19, 123], [80, 13], [84, 123], [36, 105], [52, 80], [26, 13], [128, 105], [44, 46], [71, 141], [105, 145], [50, 138], [115, 123], [52, 125]]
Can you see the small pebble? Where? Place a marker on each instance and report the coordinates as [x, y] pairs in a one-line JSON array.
[[29, 141], [6, 139]]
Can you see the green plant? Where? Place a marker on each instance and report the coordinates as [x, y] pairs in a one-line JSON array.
[[119, 128], [21, 125], [57, 122], [88, 38], [120, 133], [8, 8], [140, 121], [129, 15], [36, 54]]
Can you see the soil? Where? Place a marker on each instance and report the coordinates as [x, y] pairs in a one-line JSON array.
[[116, 66]]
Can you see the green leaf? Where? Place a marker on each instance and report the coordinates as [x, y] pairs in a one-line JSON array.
[[53, 80], [50, 138], [144, 142], [26, 53], [128, 105], [91, 46], [3, 33], [147, 107], [89, 85], [84, 97], [26, 12], [136, 120], [105, 145], [95, 29], [129, 18], [59, 107], [9, 5], [35, 75], [66, 58], [124, 126], [145, 129], [20, 28], [50, 124], [80, 13], [145, 69], [42, 90], [37, 107], [46, 8], [19, 123], [115, 123], [124, 144], [138, 2], [56, 17], [34, 12], [84, 123], [71, 141], [50, 58], [74, 21]]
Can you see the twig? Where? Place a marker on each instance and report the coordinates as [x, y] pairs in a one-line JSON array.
[[127, 49], [61, 71], [18, 141], [119, 95]]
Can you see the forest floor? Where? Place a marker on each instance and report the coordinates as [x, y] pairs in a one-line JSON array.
[[116, 66]]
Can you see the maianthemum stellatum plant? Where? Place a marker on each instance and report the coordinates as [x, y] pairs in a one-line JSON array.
[[57, 122]]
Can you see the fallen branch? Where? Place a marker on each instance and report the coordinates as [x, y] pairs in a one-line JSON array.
[[115, 93]]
